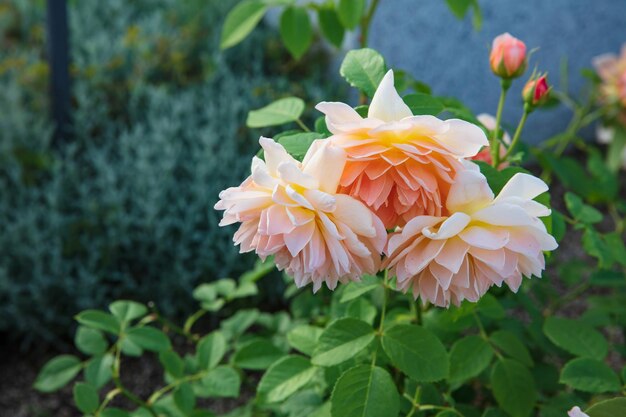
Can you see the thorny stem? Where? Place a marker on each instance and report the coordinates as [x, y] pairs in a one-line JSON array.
[[495, 141], [518, 133]]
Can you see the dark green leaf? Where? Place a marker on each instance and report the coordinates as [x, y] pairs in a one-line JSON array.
[[608, 408], [184, 398], [364, 391], [222, 381], [172, 363], [469, 357], [127, 310], [581, 211], [350, 12], [86, 397], [100, 320], [99, 371], [514, 388], [421, 103], [353, 290], [417, 352], [298, 144], [510, 345], [258, 354], [330, 25], [576, 337], [211, 349], [590, 375], [459, 7], [296, 31]]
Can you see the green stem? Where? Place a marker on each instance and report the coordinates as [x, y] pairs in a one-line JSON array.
[[518, 133], [483, 335], [192, 320], [381, 325], [122, 389], [366, 22], [158, 394], [302, 125], [495, 140], [107, 399]]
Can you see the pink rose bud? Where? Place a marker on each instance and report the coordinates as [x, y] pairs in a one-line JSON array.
[[536, 91], [508, 56]]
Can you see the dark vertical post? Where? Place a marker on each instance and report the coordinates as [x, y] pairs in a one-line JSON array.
[[58, 59]]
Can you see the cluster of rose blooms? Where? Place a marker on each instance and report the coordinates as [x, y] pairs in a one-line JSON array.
[[398, 192]]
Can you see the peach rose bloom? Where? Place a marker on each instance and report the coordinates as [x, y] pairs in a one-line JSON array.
[[485, 241], [291, 210], [576, 412], [485, 153], [612, 70], [399, 165]]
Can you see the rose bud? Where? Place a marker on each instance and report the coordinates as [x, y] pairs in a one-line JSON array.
[[536, 91], [508, 56]]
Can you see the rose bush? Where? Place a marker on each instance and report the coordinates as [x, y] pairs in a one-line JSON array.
[[390, 205]]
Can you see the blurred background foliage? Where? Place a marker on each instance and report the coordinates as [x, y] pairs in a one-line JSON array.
[[124, 207]]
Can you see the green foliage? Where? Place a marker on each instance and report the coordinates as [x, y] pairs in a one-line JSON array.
[[281, 111], [365, 391], [363, 69], [296, 31]]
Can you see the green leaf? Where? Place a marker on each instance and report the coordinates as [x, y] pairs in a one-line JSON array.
[[596, 246], [130, 348], [304, 338], [172, 363], [416, 352], [284, 378], [330, 25], [421, 103], [362, 309], [365, 391], [90, 341], [257, 354], [184, 398], [459, 7], [489, 306], [350, 12], [469, 357], [126, 311], [57, 372], [363, 69], [239, 322], [609, 408], [353, 290], [589, 375], [296, 31], [240, 21], [114, 412], [86, 397], [341, 340], [576, 337], [149, 338], [222, 381], [211, 349], [514, 388], [298, 144], [510, 345], [581, 211], [284, 110], [99, 371], [100, 320]]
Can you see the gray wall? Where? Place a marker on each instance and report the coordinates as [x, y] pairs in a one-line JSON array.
[[423, 37]]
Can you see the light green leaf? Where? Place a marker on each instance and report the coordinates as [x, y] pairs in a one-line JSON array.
[[100, 320], [90, 341], [240, 21], [99, 371], [576, 337], [257, 354], [211, 349], [114, 412], [365, 391], [353, 290], [509, 344], [514, 388], [86, 397], [298, 144], [589, 375], [469, 357], [284, 110], [363, 69], [57, 372], [239, 322], [304, 338], [421, 103], [130, 348], [222, 381], [184, 398], [609, 408], [330, 25], [284, 378], [362, 309], [296, 31], [149, 338], [341, 341], [416, 352], [350, 12]]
